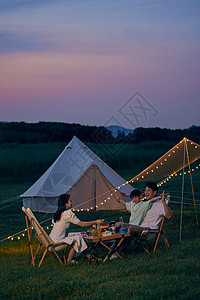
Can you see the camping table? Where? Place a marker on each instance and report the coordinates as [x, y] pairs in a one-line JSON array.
[[102, 239]]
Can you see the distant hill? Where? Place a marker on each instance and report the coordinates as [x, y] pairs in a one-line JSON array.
[[115, 130]]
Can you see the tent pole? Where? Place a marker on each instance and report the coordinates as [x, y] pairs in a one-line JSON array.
[[181, 218], [192, 187], [94, 188]]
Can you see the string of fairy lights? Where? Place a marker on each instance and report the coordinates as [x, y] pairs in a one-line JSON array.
[[21, 234], [162, 163], [178, 174], [112, 193]]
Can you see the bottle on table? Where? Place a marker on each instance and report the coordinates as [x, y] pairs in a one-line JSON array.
[[98, 230], [113, 229], [94, 230]]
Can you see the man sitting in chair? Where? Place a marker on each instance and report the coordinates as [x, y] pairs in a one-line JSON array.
[[152, 219]]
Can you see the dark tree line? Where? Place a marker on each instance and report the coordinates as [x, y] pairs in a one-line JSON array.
[[42, 132], [163, 134]]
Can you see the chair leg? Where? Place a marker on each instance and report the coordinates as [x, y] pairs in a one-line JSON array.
[[29, 231], [145, 248], [51, 255], [140, 243], [165, 239], [33, 260], [30, 253], [156, 242], [56, 255], [42, 258]]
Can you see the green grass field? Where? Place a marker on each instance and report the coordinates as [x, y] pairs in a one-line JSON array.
[[167, 274]]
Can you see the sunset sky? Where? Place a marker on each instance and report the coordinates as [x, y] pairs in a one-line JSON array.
[[101, 62]]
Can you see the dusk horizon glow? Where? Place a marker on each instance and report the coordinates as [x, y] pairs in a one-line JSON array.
[[127, 63]]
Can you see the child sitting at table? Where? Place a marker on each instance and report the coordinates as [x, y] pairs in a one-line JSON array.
[[137, 208]]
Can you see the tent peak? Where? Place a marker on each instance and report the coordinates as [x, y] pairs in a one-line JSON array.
[[75, 142]]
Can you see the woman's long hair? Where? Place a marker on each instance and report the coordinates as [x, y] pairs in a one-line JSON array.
[[62, 200]]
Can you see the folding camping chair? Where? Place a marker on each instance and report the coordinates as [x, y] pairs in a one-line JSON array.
[[151, 234], [44, 239]]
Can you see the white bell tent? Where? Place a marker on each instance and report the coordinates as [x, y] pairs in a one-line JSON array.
[[78, 171]]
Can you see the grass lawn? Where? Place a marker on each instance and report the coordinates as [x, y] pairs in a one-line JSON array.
[[170, 273], [167, 274]]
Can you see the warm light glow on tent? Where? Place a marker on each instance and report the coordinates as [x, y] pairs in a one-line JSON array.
[[171, 162]]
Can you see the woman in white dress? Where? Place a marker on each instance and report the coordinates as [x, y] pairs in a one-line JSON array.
[[62, 219]]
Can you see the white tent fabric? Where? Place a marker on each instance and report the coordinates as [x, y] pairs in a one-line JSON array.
[[78, 171]]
